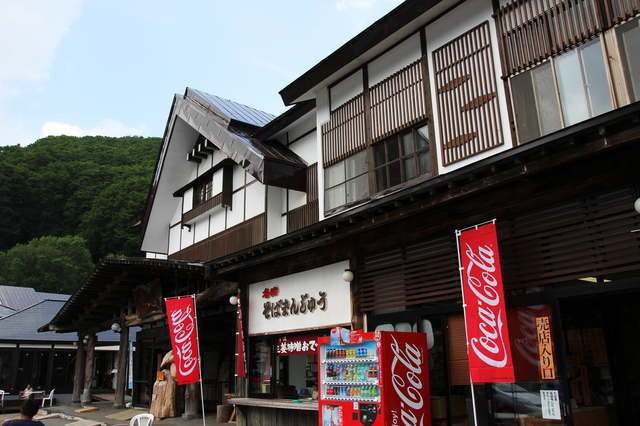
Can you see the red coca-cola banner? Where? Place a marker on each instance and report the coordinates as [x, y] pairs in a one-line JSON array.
[[484, 309], [181, 315]]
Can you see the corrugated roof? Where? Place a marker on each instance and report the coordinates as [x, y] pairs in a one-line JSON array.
[[232, 110], [21, 297], [23, 325]]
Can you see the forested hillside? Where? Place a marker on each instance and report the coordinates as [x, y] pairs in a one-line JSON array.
[[65, 186]]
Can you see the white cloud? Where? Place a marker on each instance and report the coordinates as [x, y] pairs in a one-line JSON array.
[[30, 33], [107, 127]]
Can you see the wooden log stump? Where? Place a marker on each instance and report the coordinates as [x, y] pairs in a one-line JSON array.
[[223, 413]]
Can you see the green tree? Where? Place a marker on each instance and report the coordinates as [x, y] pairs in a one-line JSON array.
[[47, 264]]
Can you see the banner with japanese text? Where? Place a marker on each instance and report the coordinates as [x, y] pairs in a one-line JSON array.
[[181, 316], [241, 362], [488, 345]]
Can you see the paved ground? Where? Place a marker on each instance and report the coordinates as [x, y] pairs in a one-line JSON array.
[[62, 415]]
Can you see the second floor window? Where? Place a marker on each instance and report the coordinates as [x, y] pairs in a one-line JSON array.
[[563, 91], [346, 181], [202, 192], [401, 158]]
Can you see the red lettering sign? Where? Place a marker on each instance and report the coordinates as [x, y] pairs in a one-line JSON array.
[[184, 338], [485, 314]]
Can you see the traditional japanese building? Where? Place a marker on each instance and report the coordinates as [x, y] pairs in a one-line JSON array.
[[440, 116]]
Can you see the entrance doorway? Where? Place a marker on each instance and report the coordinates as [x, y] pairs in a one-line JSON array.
[[602, 335]]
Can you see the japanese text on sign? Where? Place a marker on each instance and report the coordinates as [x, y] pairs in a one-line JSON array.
[[286, 307], [545, 348], [297, 345]]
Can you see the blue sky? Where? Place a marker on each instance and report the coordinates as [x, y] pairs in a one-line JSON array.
[[111, 67]]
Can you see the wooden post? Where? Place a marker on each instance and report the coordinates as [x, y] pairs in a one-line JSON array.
[[90, 370], [191, 401], [121, 374], [78, 379]]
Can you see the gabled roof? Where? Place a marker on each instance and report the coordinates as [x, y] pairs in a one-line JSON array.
[[4, 311], [18, 298], [198, 125]]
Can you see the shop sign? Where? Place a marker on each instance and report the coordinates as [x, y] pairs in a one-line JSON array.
[[489, 351], [297, 345], [545, 349], [313, 299]]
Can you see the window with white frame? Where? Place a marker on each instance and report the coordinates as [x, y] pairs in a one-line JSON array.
[[346, 181]]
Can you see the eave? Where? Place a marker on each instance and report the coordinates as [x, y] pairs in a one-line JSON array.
[[589, 139]]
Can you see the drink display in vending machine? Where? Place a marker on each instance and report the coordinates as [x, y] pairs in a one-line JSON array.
[[379, 378]]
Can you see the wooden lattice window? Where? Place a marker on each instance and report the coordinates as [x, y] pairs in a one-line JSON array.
[[468, 111], [533, 30], [344, 134], [397, 102]]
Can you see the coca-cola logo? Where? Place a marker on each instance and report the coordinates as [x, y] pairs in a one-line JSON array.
[[406, 370], [183, 325], [488, 341]]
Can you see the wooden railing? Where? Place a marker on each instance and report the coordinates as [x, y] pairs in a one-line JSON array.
[[239, 237]]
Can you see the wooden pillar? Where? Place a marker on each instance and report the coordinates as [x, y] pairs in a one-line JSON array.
[[191, 401], [78, 379], [90, 370], [121, 375]]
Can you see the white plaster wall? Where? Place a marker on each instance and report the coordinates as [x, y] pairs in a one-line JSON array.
[[217, 182], [275, 224], [200, 229], [399, 57], [296, 199], [256, 201], [174, 239], [306, 148], [187, 200], [455, 23], [204, 165], [238, 177], [217, 221], [155, 256], [177, 215], [236, 215], [346, 89], [322, 107], [186, 237]]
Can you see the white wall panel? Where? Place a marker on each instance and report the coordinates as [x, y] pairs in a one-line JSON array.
[[275, 206], [255, 200], [399, 57], [346, 90], [296, 199], [236, 215], [200, 229], [174, 239], [238, 177], [217, 222], [187, 200], [217, 182]]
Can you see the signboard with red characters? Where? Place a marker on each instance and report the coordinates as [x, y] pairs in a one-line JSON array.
[[484, 308]]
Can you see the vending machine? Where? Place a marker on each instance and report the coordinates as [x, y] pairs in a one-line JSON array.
[[377, 378]]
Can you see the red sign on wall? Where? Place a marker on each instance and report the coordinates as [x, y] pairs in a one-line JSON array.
[[484, 309], [181, 315]]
